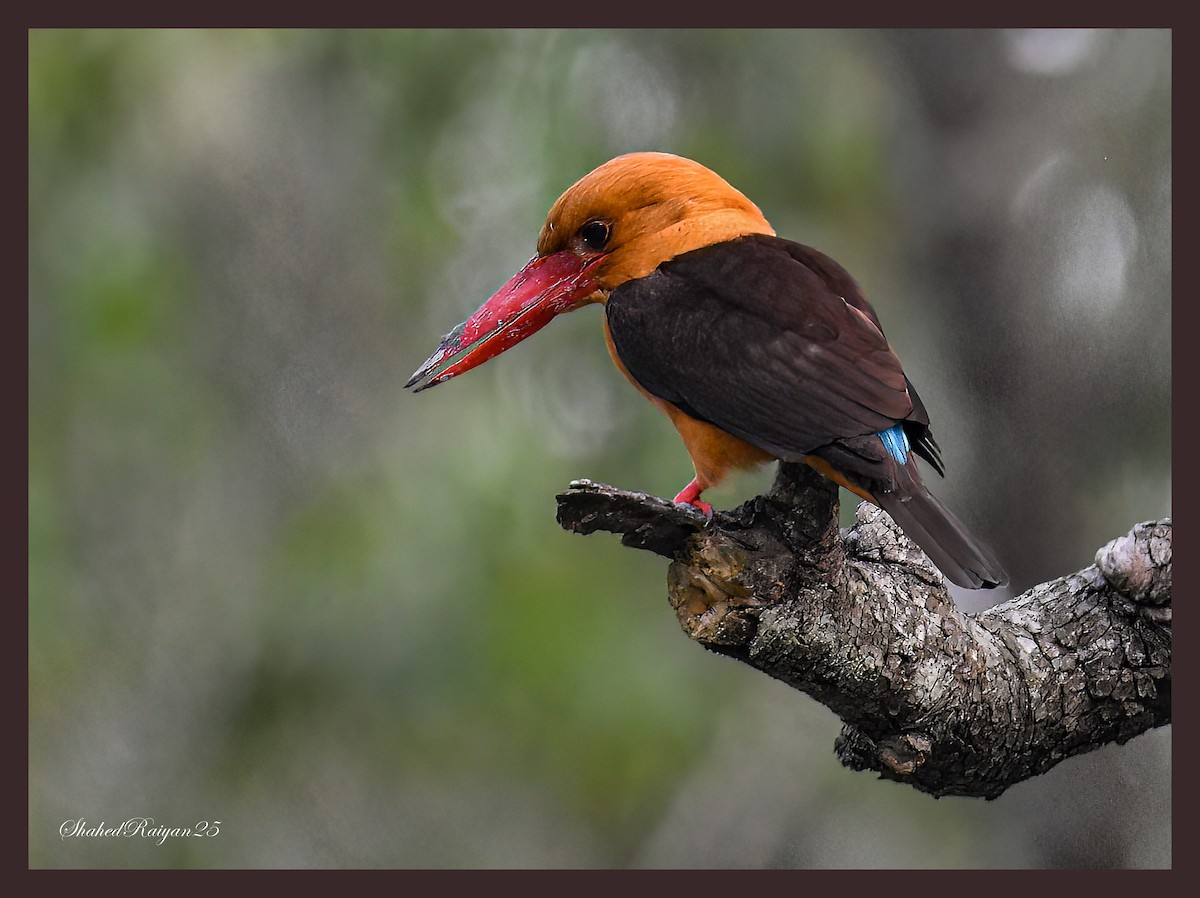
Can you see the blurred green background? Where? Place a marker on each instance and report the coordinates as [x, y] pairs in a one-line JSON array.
[[268, 587]]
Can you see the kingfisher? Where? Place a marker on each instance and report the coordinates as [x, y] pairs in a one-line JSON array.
[[755, 347]]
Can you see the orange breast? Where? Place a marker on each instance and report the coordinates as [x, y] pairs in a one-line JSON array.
[[714, 452]]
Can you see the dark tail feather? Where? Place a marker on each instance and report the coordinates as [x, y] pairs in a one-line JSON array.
[[932, 526]]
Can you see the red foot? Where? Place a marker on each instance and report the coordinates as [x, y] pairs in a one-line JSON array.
[[690, 495]]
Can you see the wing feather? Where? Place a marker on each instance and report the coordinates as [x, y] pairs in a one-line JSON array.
[[766, 339]]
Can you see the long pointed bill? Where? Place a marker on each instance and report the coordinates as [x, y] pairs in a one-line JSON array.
[[545, 287]]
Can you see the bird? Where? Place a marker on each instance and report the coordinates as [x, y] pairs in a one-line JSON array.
[[755, 347]]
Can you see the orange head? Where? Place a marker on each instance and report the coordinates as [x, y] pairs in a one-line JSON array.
[[616, 224]]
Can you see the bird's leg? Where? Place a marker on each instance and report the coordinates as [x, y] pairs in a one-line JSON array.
[[690, 495]]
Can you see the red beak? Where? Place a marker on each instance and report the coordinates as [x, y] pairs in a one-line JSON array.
[[545, 287]]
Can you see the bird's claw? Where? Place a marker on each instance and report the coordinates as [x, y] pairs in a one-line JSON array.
[[703, 507], [690, 495]]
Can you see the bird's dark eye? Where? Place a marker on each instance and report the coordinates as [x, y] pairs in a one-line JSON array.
[[594, 234]]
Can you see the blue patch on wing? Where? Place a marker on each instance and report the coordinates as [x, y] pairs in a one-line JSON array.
[[896, 442]]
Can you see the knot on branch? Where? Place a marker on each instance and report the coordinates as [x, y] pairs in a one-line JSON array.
[[895, 757], [713, 593], [1138, 565]]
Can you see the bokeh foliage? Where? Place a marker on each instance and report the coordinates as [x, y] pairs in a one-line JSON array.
[[269, 587]]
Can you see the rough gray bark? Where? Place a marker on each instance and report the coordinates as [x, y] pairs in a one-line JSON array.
[[950, 703]]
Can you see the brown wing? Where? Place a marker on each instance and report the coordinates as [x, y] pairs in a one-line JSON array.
[[764, 338]]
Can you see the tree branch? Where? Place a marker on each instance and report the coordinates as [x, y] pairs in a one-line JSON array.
[[950, 703]]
